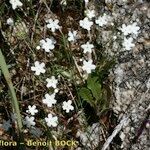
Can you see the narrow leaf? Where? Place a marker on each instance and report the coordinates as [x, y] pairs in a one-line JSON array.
[[95, 87]]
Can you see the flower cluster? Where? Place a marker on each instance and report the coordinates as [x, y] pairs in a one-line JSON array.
[[72, 48], [49, 45], [133, 31], [29, 120], [130, 29], [87, 22], [50, 99]]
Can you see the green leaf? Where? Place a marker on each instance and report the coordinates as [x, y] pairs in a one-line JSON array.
[[95, 87], [91, 79], [86, 95], [14, 100]]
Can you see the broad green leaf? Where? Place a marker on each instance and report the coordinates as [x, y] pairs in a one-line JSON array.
[[94, 86], [91, 79], [86, 95]]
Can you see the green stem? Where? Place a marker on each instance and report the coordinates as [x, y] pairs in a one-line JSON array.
[[14, 100]]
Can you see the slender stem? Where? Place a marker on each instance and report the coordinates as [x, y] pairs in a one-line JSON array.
[[14, 100]]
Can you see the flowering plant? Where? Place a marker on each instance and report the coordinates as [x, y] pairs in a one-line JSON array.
[[60, 59]]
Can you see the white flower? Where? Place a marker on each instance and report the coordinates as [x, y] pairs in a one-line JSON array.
[[52, 82], [10, 21], [125, 29], [49, 100], [6, 125], [130, 29], [53, 24], [72, 36], [86, 23], [51, 121], [47, 44], [29, 121], [39, 68], [90, 13], [127, 43], [86, 1], [102, 20], [87, 47], [88, 66], [134, 29], [67, 106], [15, 3], [32, 110]]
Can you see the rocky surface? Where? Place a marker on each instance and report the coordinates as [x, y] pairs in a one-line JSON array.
[[130, 78]]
